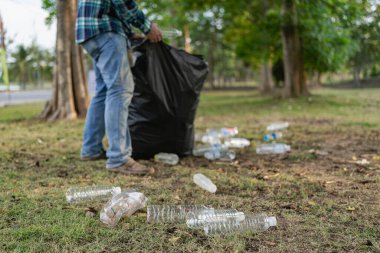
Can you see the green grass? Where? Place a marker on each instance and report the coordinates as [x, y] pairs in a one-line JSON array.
[[322, 203]]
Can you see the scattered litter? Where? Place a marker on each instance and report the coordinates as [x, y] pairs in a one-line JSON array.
[[86, 193], [201, 150], [204, 182], [276, 126], [223, 155], [237, 143], [174, 213], [276, 148], [273, 136], [122, 204], [166, 158], [198, 220], [212, 221], [362, 162], [254, 222]]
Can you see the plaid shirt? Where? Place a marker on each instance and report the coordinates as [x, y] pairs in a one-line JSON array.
[[99, 16]]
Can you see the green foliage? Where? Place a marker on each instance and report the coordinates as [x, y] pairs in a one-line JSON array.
[[50, 6], [31, 64]]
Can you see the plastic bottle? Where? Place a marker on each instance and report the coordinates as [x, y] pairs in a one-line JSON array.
[[223, 155], [214, 136], [237, 142], [174, 213], [275, 148], [255, 223], [170, 32], [217, 215], [277, 126], [86, 193], [273, 136], [204, 182], [122, 204], [167, 158], [201, 150]]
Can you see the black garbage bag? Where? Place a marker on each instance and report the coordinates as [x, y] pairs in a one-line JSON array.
[[168, 82]]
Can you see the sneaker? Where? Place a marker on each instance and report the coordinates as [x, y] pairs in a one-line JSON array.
[[101, 156], [131, 167]]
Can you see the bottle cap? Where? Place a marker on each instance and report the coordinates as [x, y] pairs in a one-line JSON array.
[[272, 221]]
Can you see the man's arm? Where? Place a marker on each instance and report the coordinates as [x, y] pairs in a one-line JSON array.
[[129, 13]]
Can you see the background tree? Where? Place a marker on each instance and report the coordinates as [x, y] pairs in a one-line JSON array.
[[70, 95]]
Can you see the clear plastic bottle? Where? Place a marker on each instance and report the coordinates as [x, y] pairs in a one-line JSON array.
[[237, 142], [122, 204], [87, 193], [275, 148], [201, 150], [204, 182], [174, 213], [276, 126], [217, 215], [223, 155], [273, 136], [255, 223], [170, 32], [214, 136], [166, 158]]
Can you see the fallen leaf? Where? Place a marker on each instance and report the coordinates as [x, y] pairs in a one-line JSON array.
[[354, 158], [312, 203], [174, 239], [350, 208], [39, 141], [376, 158]]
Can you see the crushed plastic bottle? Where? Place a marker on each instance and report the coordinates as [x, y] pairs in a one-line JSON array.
[[201, 150], [87, 193], [276, 126], [237, 143], [217, 215], [255, 223], [273, 136], [174, 213], [166, 158], [275, 148], [122, 204], [223, 155], [204, 182]]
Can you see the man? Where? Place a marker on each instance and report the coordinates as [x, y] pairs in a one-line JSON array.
[[103, 28]]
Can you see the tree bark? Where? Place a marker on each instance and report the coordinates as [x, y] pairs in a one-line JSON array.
[[70, 95], [295, 84], [266, 82], [356, 72], [211, 58]]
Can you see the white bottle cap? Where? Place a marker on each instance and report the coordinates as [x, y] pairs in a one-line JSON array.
[[272, 221], [116, 190]]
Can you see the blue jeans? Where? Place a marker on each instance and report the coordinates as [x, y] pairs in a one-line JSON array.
[[108, 111]]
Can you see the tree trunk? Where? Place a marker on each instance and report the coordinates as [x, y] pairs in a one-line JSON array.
[[295, 84], [356, 72], [266, 82], [70, 95]]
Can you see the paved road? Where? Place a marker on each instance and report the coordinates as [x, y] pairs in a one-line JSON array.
[[23, 97]]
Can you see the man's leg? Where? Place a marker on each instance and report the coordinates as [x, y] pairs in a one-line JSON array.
[[115, 71], [94, 129]]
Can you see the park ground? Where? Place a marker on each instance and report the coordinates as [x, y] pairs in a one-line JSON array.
[[325, 193]]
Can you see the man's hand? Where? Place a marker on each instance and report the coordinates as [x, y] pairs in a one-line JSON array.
[[155, 34]]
